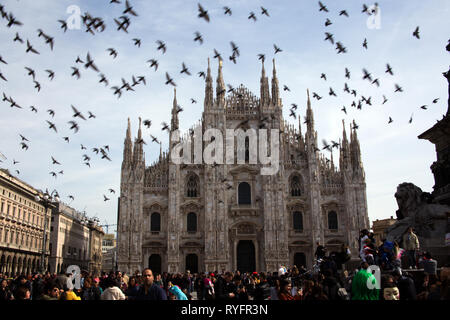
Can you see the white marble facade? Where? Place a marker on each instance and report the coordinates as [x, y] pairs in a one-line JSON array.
[[329, 202]]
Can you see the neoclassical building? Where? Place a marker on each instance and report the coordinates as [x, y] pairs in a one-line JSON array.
[[74, 240], [221, 216], [22, 223]]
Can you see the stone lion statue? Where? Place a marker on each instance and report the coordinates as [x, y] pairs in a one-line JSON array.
[[415, 210]]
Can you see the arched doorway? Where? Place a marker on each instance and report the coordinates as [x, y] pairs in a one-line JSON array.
[[192, 263], [246, 259], [8, 265], [300, 259], [154, 263], [3, 264], [14, 267]]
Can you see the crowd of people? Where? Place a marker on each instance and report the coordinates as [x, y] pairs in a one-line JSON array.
[[328, 279]]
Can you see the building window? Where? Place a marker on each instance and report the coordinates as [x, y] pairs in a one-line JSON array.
[[298, 221], [192, 186], [1, 209], [244, 193], [192, 222], [247, 153], [155, 222], [295, 187], [332, 220]]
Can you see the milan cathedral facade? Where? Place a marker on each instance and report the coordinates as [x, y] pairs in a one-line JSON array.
[[214, 217]]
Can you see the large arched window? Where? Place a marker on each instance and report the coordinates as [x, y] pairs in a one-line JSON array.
[[332, 220], [155, 222], [192, 186], [295, 186], [244, 193], [298, 221], [192, 222]]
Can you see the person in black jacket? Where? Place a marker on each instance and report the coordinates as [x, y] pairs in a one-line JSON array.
[[38, 287], [5, 292], [225, 287], [90, 292], [406, 286], [262, 290], [150, 290]]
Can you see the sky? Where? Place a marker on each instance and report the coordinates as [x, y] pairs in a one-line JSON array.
[[391, 153]]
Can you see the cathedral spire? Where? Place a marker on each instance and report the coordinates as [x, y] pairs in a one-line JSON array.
[[138, 153], [220, 89], [208, 88], [128, 146], [275, 89], [344, 137], [309, 114], [175, 122], [356, 151], [264, 90], [140, 130]]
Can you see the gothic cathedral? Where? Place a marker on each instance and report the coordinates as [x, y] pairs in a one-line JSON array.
[[214, 217]]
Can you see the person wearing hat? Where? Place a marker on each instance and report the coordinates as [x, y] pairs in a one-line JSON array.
[[208, 285]]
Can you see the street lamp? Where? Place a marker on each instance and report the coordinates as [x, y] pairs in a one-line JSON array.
[[46, 201]]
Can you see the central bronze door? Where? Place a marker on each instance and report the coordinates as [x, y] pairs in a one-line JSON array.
[[246, 259]]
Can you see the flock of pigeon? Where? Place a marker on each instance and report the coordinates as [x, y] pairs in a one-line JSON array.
[[122, 23]]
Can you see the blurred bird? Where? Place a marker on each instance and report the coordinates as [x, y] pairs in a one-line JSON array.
[[322, 7], [76, 72], [365, 43], [169, 80], [198, 37], [398, 88], [112, 52], [153, 63], [329, 36], [203, 13], [137, 42], [416, 33], [276, 49], [185, 69], [30, 48], [77, 113], [389, 69], [90, 63], [51, 74], [73, 125], [161, 46], [129, 9]]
